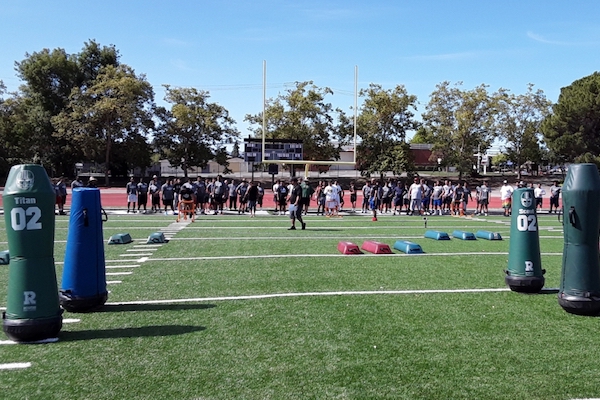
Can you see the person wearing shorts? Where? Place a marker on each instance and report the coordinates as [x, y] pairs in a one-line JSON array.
[[132, 191], [483, 198], [375, 198], [282, 193], [506, 192], [366, 190], [352, 191], [251, 197], [397, 199], [539, 193]]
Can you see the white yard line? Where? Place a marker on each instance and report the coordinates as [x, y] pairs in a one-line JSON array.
[[15, 365], [331, 237], [481, 253], [142, 250], [309, 294]]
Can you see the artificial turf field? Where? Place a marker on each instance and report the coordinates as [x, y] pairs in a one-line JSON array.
[[240, 308]]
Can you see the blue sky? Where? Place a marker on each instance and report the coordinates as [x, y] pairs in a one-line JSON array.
[[220, 46]]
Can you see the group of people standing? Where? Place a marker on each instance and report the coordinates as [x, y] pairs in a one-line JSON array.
[[421, 197], [213, 195], [506, 192]]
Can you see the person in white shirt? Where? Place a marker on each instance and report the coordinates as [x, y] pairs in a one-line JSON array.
[[539, 193], [447, 194], [506, 192], [416, 193]]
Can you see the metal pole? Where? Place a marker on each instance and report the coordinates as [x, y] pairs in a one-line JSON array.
[[264, 123], [355, 107]]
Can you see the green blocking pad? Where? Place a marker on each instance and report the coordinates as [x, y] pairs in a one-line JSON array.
[[463, 235], [156, 237], [488, 235], [408, 247], [120, 238], [437, 235]]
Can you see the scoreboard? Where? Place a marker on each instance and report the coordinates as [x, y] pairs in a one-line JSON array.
[[275, 150]]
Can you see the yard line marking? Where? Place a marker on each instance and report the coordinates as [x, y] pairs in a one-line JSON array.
[[489, 253], [113, 282], [143, 259], [118, 273], [135, 255], [309, 294], [327, 237], [15, 365], [147, 246], [70, 320], [142, 250], [122, 266], [344, 228]]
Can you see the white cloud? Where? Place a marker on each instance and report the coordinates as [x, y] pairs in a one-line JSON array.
[[543, 39]]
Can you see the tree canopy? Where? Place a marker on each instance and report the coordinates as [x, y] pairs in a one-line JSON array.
[[303, 114], [113, 108], [572, 130], [194, 131], [385, 118], [519, 118], [461, 122]]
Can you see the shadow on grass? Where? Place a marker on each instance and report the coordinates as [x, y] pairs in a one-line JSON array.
[[153, 307], [144, 331]]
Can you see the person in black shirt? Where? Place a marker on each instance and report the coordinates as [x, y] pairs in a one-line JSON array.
[[251, 197], [295, 205]]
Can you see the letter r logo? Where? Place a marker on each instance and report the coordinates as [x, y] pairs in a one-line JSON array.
[[28, 298]]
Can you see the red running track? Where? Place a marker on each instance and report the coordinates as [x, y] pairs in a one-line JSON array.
[[116, 198]]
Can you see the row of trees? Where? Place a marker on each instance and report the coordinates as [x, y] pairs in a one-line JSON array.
[[89, 106]]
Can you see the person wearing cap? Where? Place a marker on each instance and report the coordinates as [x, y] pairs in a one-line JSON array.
[[295, 205], [132, 191], [506, 192], [92, 182], [554, 194]]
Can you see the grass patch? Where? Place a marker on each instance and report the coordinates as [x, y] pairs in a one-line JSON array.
[[385, 346]]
